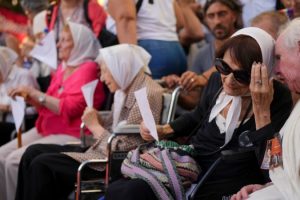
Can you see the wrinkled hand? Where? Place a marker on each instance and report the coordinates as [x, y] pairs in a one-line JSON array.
[[171, 80], [23, 91], [145, 132], [245, 191], [190, 80], [90, 119], [262, 91]]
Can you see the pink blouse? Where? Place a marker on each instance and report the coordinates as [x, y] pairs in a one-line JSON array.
[[72, 103]]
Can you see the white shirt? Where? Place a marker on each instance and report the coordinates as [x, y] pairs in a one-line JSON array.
[[155, 21]]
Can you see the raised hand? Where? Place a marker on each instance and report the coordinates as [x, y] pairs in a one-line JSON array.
[[91, 120], [262, 91]]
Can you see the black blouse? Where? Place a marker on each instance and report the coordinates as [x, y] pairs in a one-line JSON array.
[[206, 137]]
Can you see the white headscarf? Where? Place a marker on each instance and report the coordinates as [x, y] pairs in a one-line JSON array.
[[7, 60], [124, 61], [86, 45], [266, 44]]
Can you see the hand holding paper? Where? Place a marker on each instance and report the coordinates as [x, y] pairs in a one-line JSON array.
[[88, 91], [18, 111], [143, 103]]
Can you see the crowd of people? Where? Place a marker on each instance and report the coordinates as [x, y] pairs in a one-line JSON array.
[[237, 63]]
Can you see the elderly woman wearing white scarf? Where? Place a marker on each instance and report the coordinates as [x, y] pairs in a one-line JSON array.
[[227, 117], [285, 176], [61, 107], [11, 76], [122, 70]]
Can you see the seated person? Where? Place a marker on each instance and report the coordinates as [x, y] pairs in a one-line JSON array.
[[11, 76], [228, 108], [285, 173], [61, 107], [46, 173]]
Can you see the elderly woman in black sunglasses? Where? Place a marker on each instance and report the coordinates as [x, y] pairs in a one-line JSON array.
[[232, 114]]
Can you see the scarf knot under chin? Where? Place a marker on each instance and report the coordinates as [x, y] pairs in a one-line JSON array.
[[233, 114]]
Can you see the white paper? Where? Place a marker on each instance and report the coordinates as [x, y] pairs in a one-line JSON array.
[[45, 50], [88, 91], [143, 103], [18, 110]]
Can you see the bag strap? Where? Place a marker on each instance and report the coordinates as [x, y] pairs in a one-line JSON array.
[[172, 174], [86, 12], [138, 6], [135, 169]]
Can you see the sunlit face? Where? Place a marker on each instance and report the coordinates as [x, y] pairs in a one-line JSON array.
[[287, 65], [107, 78], [220, 20], [65, 45], [230, 85]]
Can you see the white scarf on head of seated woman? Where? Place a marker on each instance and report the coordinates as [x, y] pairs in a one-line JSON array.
[[124, 61], [86, 45], [265, 42], [232, 115]]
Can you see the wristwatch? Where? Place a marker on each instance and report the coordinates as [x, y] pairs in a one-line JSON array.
[[42, 99]]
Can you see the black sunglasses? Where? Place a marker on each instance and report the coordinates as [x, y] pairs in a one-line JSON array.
[[241, 76]]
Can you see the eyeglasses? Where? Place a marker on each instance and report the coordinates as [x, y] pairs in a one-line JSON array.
[[241, 76]]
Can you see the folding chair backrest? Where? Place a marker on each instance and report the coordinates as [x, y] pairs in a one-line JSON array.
[[169, 105]]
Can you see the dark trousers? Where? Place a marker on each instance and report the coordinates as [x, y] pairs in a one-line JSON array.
[[126, 189], [45, 173], [5, 132]]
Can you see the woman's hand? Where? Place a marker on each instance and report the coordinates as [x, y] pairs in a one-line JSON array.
[[162, 130], [24, 91], [190, 80], [91, 120], [171, 80], [262, 91], [145, 132], [245, 191]]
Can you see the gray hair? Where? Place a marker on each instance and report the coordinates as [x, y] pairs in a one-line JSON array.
[[292, 34], [34, 6]]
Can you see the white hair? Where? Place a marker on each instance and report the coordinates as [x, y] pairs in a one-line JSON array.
[[292, 34]]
